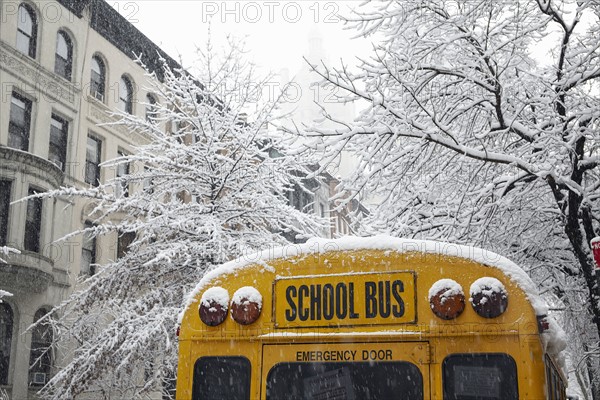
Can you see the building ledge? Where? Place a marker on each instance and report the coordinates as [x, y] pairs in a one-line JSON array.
[[61, 277], [27, 271], [99, 114], [17, 161]]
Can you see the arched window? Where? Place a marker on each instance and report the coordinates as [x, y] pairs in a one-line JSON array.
[[40, 358], [63, 64], [6, 328], [26, 31], [151, 109], [98, 78], [125, 95]]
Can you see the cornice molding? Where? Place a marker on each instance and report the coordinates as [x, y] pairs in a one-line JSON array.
[[16, 161], [99, 114], [47, 85], [27, 271]]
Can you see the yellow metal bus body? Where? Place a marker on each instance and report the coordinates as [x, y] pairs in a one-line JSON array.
[[377, 339]]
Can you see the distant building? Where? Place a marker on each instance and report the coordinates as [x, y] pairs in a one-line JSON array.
[[303, 102], [345, 219], [315, 198], [63, 65]]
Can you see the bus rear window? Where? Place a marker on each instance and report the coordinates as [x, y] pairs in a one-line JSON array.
[[347, 381], [480, 377], [221, 378]]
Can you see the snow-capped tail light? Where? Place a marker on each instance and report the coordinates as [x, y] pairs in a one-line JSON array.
[[488, 297], [246, 305], [595, 245], [543, 324], [446, 299], [214, 306]]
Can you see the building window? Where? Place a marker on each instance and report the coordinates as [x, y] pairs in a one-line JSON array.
[[33, 222], [63, 63], [4, 207], [126, 95], [57, 149], [92, 161], [151, 108], [122, 187], [97, 78], [88, 252], [301, 199], [124, 242], [19, 125], [6, 329], [26, 31], [40, 357], [148, 184]]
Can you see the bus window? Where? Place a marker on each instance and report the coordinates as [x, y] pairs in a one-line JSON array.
[[349, 381], [555, 384], [551, 395], [480, 377], [221, 378]]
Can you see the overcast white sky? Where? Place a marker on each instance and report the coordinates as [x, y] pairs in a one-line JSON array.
[[276, 32]]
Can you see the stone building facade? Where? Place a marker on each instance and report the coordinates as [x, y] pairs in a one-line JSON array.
[[64, 65]]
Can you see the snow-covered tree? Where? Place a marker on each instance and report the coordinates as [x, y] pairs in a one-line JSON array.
[[4, 293], [482, 126], [5, 251], [212, 188]]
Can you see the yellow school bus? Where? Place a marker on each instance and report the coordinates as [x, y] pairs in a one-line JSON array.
[[368, 318]]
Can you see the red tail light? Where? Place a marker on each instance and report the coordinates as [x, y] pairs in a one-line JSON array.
[[543, 324], [246, 305], [488, 297], [214, 306], [446, 299]]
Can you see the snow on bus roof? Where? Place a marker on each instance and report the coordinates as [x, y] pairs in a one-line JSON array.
[[379, 242]]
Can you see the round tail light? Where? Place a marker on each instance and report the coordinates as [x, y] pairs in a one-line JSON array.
[[213, 306], [488, 297], [446, 299], [246, 305]]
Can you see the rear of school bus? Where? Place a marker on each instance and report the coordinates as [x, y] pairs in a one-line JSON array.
[[360, 322]]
